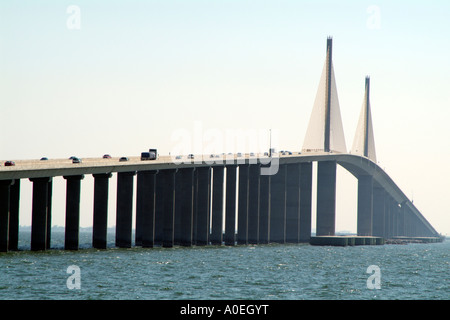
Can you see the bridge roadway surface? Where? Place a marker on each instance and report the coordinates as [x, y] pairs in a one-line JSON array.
[[355, 164]]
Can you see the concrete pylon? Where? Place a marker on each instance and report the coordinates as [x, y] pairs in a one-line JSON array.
[[364, 142], [325, 132]]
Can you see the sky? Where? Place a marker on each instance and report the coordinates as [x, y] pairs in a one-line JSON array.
[[87, 78]]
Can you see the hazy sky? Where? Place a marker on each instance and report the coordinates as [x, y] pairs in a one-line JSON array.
[[92, 77]]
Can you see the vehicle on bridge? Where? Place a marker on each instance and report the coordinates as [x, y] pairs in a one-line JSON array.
[[152, 154]]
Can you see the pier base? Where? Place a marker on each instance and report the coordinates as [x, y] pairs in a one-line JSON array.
[[343, 241]]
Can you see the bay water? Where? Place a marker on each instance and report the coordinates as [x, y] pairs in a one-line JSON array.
[[273, 272]]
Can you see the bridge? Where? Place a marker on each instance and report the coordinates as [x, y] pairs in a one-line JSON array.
[[227, 199]]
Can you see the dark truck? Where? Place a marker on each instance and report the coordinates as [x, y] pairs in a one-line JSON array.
[[152, 154]]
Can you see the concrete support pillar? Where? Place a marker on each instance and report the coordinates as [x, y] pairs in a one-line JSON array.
[[39, 213], [49, 212], [242, 230], [124, 213], [305, 201], [410, 223], [387, 217], [5, 186], [169, 207], [326, 198], [365, 205], [292, 203], [178, 208], [254, 185], [401, 219], [145, 208], [71, 239], [217, 205], [203, 205], [187, 205], [407, 217], [159, 209], [264, 209], [378, 212], [14, 197], [195, 206], [394, 218], [100, 223], [278, 206], [230, 206]]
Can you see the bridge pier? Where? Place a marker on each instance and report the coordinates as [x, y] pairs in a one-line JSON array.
[[378, 212], [39, 213], [387, 216], [169, 207], [217, 205], [203, 205], [187, 205], [49, 212], [278, 206], [254, 184], [264, 208], [401, 220], [5, 189], [394, 219], [292, 203], [159, 210], [14, 198], [100, 223], [124, 208], [178, 209], [242, 229], [230, 206], [365, 205], [145, 208], [326, 198], [71, 238], [305, 201]]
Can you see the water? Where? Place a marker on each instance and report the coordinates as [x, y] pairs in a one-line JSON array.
[[275, 272]]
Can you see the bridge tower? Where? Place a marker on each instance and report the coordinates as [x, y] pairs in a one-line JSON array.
[[364, 145], [364, 142], [325, 134]]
